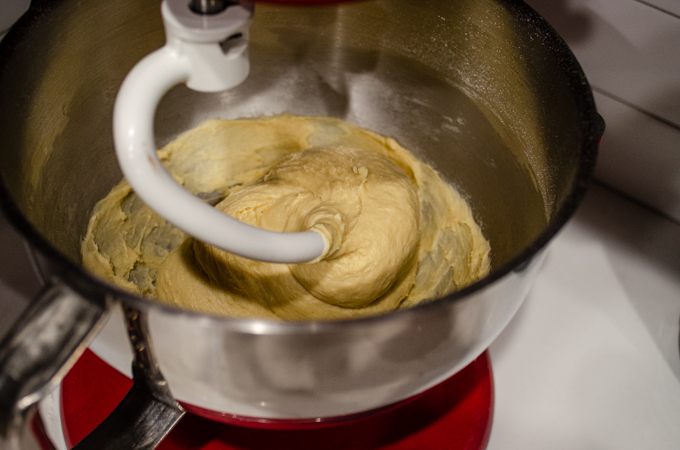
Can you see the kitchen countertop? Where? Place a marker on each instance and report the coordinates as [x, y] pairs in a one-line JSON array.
[[591, 360]]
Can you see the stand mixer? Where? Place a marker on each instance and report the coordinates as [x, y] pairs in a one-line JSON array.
[[526, 153]]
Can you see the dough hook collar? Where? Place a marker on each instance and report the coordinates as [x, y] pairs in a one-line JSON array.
[[209, 53]]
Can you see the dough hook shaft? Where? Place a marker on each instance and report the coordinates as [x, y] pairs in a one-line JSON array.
[[196, 53]]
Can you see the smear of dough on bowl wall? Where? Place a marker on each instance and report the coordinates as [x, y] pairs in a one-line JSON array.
[[399, 234]]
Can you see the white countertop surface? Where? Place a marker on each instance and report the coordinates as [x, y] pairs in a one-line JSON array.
[[591, 360]]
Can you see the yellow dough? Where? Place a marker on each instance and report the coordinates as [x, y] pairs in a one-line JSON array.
[[397, 233]]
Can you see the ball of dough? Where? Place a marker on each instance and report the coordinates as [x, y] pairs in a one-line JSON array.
[[365, 206], [398, 234]]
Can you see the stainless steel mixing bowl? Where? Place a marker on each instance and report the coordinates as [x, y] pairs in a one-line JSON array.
[[484, 90]]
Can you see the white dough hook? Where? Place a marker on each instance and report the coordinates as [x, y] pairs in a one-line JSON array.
[[208, 52]]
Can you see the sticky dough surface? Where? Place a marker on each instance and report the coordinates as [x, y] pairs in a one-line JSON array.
[[397, 233]]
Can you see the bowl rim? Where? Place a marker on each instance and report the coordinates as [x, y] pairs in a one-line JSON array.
[[591, 124]]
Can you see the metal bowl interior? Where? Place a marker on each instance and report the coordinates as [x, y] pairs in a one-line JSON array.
[[484, 90], [468, 86]]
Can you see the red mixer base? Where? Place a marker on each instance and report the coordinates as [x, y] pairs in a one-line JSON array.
[[455, 414]]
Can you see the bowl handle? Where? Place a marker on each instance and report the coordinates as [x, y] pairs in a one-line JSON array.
[[44, 344], [38, 351]]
